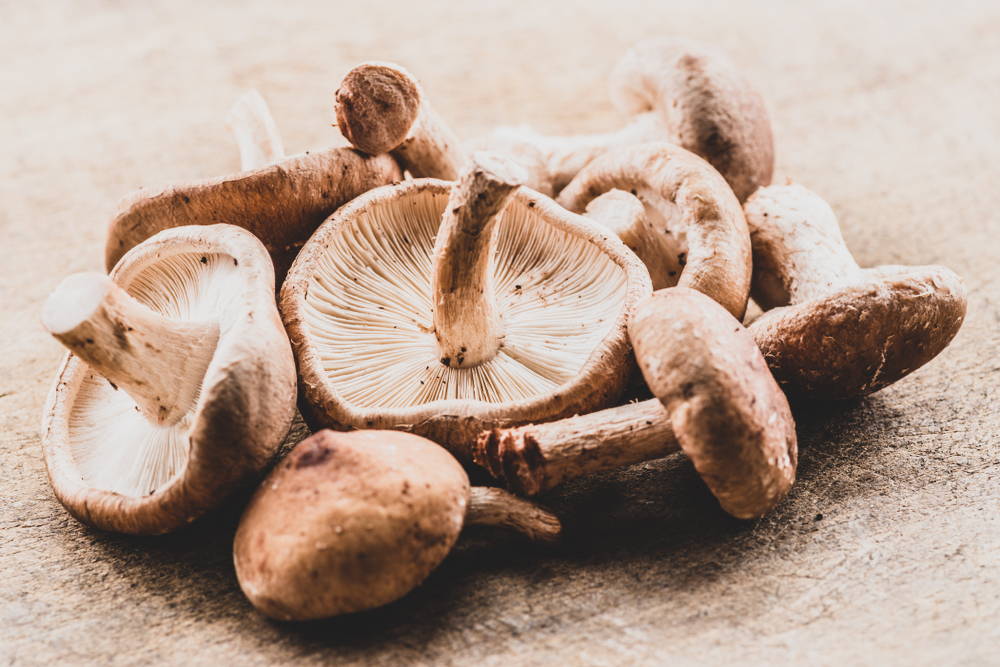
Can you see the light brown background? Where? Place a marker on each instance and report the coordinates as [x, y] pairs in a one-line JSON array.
[[889, 110]]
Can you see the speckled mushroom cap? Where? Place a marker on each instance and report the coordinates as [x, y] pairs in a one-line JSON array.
[[280, 203], [347, 522], [687, 202], [707, 105], [727, 412], [113, 468], [359, 308], [835, 330]]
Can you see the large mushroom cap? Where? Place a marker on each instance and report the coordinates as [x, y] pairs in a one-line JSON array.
[[727, 412], [114, 468], [347, 522], [359, 308], [863, 337]]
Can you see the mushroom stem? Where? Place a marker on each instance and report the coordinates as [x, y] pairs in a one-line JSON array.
[[466, 322], [255, 131], [381, 108], [537, 457], [624, 214], [158, 361], [799, 253], [490, 506]]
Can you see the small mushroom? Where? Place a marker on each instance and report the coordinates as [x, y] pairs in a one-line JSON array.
[[691, 231], [352, 521], [445, 309], [833, 330], [381, 108], [708, 107], [715, 400], [180, 384], [281, 200]]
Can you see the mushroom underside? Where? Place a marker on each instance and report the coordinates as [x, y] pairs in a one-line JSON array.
[[112, 444], [369, 309]]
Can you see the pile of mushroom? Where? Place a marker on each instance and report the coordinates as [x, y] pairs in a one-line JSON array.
[[458, 303]]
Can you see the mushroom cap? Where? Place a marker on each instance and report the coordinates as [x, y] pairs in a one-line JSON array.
[[707, 104], [348, 522], [691, 202], [113, 469], [358, 307], [281, 203], [728, 414], [863, 337], [376, 105]]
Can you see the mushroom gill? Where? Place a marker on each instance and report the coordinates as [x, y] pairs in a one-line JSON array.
[[115, 447], [369, 306]]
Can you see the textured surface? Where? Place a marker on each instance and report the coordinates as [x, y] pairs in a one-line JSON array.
[[887, 548]]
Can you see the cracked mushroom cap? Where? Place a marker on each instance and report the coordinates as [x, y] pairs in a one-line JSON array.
[[359, 305], [727, 412], [348, 522], [834, 330], [198, 387]]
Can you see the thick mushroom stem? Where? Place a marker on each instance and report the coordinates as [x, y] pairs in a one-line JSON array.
[[624, 214], [489, 506], [255, 131], [535, 458], [159, 362], [799, 253], [466, 322], [381, 108]]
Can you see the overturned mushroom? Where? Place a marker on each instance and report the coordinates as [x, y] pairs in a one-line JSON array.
[[715, 400], [180, 384], [515, 312], [352, 521], [281, 200], [832, 329], [708, 107], [691, 231]]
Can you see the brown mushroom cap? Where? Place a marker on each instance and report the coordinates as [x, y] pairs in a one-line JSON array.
[[358, 306], [692, 207], [347, 522], [114, 469], [709, 108], [727, 412], [837, 331], [281, 203]]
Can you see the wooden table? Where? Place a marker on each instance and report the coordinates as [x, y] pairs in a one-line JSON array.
[[887, 550]]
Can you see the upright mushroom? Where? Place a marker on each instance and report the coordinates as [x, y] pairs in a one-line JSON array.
[[715, 400], [281, 200], [179, 385], [352, 521], [707, 105], [690, 229], [444, 310], [832, 329]]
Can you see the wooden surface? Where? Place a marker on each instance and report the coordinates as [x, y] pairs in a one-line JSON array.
[[888, 548]]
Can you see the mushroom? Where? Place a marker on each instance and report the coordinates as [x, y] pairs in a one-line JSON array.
[[352, 521], [516, 312], [833, 330], [381, 108], [691, 231], [708, 107], [715, 400], [180, 384], [281, 200]]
